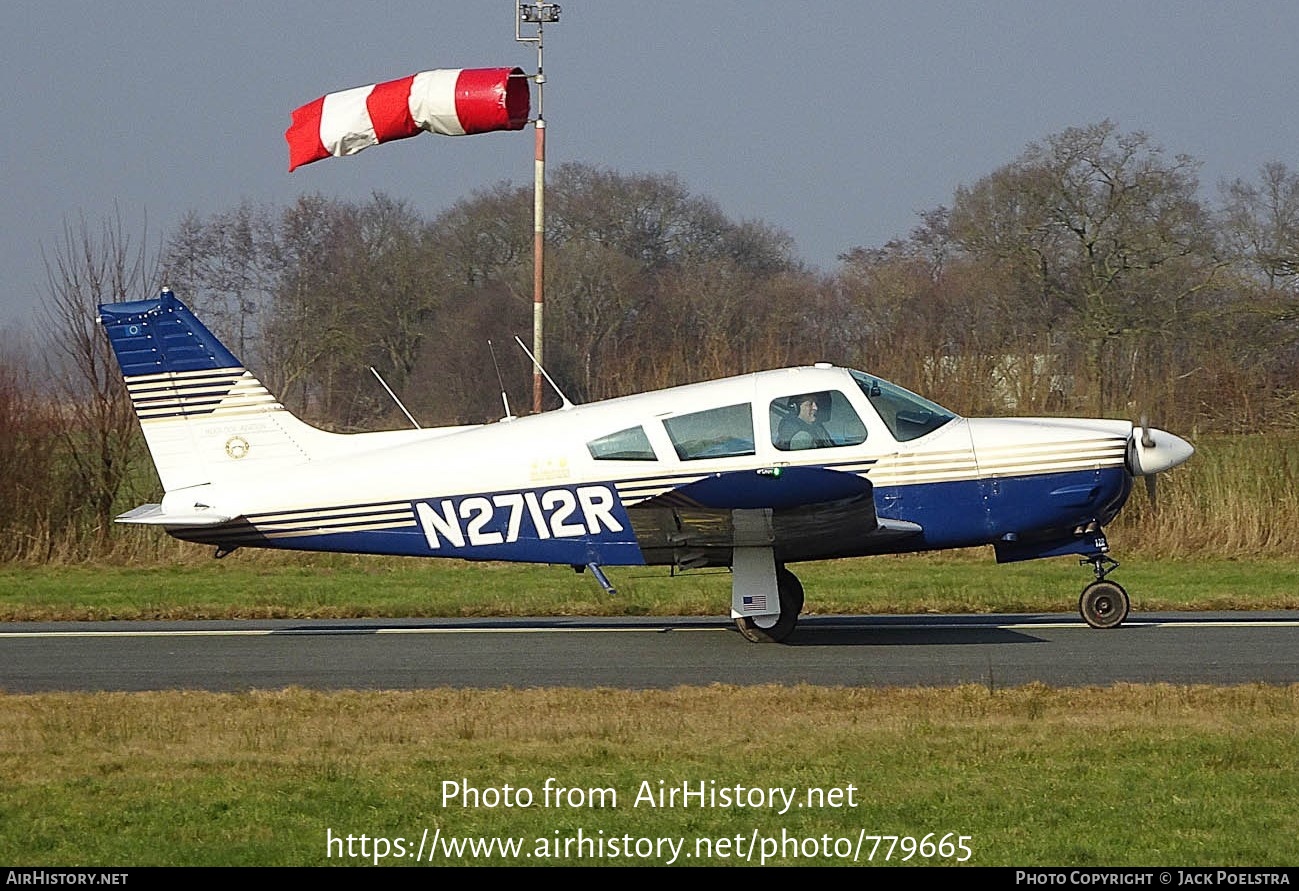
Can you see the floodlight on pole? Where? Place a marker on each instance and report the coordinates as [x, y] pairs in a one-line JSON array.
[[538, 14]]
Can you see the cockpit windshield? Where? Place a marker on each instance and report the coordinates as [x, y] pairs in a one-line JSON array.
[[907, 415]]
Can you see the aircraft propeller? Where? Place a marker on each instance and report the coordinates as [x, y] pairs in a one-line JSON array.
[[1148, 441], [1152, 451]]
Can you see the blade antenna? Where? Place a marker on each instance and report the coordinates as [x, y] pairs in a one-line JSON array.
[[500, 380], [560, 393], [408, 415]]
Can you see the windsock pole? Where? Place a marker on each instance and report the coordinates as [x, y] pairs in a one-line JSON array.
[[537, 14], [538, 252]]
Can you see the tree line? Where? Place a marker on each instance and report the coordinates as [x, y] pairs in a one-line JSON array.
[[1088, 276]]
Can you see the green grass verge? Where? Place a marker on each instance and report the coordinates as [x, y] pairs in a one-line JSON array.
[[1033, 776], [264, 585]]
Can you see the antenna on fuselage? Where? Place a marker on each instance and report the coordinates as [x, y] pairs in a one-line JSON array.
[[558, 392], [509, 415], [408, 415]]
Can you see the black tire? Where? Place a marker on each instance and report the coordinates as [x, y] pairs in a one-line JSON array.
[[790, 591], [1104, 604]]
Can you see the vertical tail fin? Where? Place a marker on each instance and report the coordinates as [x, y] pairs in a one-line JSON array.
[[203, 414]]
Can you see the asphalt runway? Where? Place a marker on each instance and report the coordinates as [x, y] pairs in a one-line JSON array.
[[645, 653]]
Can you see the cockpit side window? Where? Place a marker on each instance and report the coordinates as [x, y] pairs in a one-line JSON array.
[[815, 421], [626, 445], [907, 415], [715, 433]]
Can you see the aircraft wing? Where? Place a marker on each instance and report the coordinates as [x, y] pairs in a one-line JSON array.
[[802, 513]]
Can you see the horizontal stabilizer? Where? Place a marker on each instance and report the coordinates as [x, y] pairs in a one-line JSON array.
[[154, 515]]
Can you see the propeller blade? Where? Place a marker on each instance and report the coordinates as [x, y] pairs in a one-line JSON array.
[[1146, 439], [1150, 492]]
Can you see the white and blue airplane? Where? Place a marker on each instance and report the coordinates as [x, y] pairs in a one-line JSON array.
[[753, 473]]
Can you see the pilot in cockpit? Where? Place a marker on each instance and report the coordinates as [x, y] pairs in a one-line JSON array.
[[802, 427]]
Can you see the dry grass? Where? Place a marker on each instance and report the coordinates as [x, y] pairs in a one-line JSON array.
[[1237, 497], [389, 725]]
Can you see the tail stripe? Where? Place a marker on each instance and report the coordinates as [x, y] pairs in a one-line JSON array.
[[231, 391], [318, 521], [167, 377], [351, 511]]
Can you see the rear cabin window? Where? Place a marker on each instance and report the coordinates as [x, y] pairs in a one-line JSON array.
[[822, 420], [715, 433], [626, 445]]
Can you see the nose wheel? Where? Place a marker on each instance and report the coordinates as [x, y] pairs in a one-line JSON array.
[[1103, 604]]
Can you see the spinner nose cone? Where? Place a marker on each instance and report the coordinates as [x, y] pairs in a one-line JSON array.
[[1154, 451]]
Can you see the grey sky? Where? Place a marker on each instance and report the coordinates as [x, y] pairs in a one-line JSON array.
[[835, 121]]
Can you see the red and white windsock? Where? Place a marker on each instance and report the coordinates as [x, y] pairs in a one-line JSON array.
[[450, 101]]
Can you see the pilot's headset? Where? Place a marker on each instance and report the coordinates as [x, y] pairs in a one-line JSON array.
[[822, 401]]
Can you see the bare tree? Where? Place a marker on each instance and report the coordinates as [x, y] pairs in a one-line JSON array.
[[89, 268], [1106, 230], [227, 267], [596, 291], [1261, 224]]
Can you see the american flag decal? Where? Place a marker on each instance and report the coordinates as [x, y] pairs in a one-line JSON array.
[[755, 601]]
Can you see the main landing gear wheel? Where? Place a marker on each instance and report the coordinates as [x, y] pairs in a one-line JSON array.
[[790, 590], [1103, 604]]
